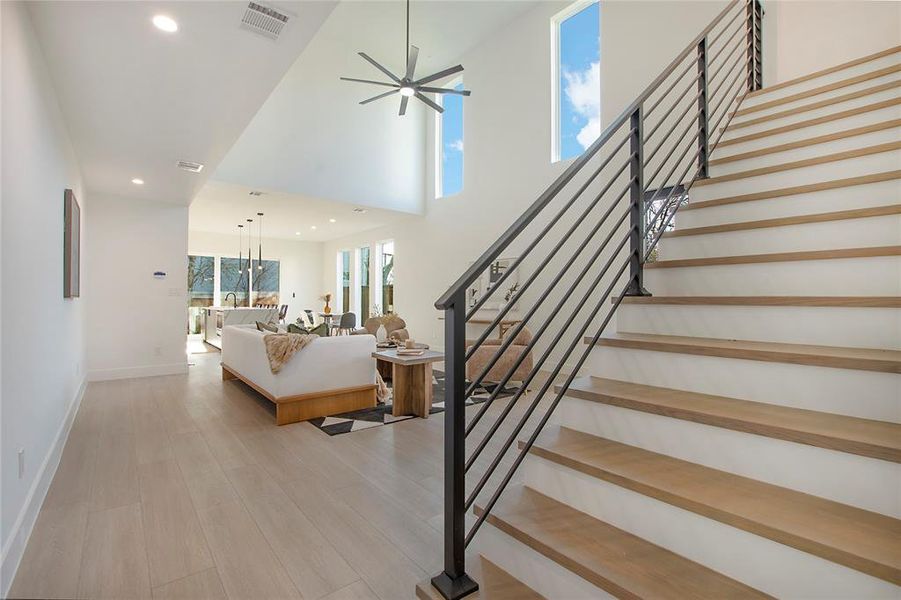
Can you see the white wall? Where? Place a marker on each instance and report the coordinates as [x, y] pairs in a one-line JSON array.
[[136, 322], [300, 265], [507, 124], [43, 336], [804, 37]]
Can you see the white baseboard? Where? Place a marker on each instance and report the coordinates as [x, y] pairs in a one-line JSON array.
[[21, 529], [134, 372]]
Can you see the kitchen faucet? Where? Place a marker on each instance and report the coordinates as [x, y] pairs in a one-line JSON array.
[[234, 299]]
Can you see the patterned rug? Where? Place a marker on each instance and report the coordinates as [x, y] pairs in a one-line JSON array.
[[381, 415]]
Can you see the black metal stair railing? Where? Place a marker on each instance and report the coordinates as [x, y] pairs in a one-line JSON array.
[[584, 243]]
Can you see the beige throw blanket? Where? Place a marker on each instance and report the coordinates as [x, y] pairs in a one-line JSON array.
[[280, 347]]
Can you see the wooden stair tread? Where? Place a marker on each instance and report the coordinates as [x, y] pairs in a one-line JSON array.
[[815, 105], [744, 259], [865, 437], [800, 164], [827, 71], [617, 561], [822, 301], [859, 539], [494, 584], [820, 139], [797, 189], [865, 359], [822, 89], [840, 215], [851, 112]]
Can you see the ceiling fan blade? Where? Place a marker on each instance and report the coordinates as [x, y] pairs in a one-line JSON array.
[[429, 102], [403, 105], [434, 90], [369, 81], [379, 67], [439, 75], [380, 96], [411, 61]]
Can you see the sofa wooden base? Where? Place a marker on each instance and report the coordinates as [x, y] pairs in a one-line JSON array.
[[293, 409]]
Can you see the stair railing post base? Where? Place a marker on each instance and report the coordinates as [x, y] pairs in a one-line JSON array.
[[452, 589]]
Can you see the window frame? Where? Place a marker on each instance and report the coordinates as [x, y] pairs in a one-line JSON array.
[[439, 144], [556, 92]]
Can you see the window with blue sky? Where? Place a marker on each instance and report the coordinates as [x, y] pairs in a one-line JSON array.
[[450, 144], [578, 80]]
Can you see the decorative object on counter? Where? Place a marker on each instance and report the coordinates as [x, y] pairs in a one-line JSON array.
[[381, 334], [326, 298], [71, 246], [496, 274]]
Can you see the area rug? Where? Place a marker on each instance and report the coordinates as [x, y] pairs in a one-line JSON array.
[[380, 415]]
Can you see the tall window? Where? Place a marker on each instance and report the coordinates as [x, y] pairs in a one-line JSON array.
[[265, 281], [449, 150], [386, 275], [233, 278], [576, 35], [344, 280], [363, 283], [201, 288]]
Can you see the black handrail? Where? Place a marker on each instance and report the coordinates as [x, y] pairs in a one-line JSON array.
[[638, 224]]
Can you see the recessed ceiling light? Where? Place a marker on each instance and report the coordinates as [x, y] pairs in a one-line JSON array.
[[312, 227], [296, 233], [164, 23], [137, 181], [332, 221]]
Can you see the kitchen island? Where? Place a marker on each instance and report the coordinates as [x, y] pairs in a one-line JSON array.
[[217, 317]]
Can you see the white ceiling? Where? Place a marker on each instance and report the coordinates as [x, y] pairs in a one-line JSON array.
[[311, 137], [137, 99], [220, 207]]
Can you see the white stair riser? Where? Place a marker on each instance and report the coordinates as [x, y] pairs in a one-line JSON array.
[[865, 394], [808, 469], [805, 115], [841, 75], [866, 232], [881, 193], [766, 565], [821, 326], [884, 136], [879, 276], [532, 568], [839, 169], [882, 115]]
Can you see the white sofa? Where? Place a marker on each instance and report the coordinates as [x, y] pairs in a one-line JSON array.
[[332, 375]]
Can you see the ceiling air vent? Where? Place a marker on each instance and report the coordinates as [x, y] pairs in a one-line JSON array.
[[255, 193], [264, 20], [187, 165]]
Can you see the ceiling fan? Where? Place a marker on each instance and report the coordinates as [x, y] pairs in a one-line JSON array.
[[406, 86]]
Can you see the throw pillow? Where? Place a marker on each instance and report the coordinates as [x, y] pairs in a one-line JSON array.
[[321, 330], [271, 327], [292, 328]]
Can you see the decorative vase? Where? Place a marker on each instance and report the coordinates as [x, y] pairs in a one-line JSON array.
[[327, 309], [381, 334]]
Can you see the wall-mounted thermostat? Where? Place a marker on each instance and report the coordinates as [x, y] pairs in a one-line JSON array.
[[159, 274]]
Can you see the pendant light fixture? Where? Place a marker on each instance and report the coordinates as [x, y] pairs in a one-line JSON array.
[[260, 256], [240, 249], [249, 247]]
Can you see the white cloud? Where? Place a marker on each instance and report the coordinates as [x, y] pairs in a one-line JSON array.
[[456, 145], [583, 91]]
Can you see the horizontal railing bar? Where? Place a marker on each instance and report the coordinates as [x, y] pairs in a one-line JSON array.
[[692, 121], [713, 58], [716, 38], [499, 421], [676, 80], [487, 404], [537, 239], [691, 85], [739, 63], [511, 336], [726, 61], [550, 381], [478, 267], [512, 437], [682, 138]]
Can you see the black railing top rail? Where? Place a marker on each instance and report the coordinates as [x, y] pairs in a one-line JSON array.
[[518, 226]]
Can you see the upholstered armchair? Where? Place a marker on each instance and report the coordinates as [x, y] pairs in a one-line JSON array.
[[490, 347], [394, 325]]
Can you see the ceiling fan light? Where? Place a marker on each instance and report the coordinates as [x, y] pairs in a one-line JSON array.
[[407, 91]]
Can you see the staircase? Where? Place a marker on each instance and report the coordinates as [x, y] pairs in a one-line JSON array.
[[737, 433]]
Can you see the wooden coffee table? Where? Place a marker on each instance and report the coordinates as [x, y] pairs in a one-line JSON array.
[[412, 381]]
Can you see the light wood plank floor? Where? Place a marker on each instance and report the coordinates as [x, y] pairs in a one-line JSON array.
[[183, 487]]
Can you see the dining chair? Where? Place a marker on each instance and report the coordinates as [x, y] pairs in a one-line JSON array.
[[309, 314], [282, 313], [347, 323]]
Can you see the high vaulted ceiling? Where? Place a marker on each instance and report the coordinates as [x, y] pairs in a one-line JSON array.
[[137, 99]]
